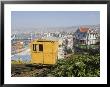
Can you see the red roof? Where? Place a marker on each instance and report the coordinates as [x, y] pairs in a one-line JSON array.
[[84, 29]]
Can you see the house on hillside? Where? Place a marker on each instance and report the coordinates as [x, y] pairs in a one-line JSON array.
[[86, 36]]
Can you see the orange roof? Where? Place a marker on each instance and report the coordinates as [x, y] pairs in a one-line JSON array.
[[83, 29]]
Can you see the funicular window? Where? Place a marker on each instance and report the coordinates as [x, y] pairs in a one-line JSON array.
[[34, 47], [37, 47], [40, 47]]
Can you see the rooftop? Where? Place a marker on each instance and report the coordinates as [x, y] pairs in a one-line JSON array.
[[83, 29]]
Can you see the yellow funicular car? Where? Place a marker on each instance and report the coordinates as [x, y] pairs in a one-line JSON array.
[[44, 51]]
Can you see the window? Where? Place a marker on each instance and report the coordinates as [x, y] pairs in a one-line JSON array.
[[40, 47], [83, 35], [90, 35], [34, 47], [37, 47]]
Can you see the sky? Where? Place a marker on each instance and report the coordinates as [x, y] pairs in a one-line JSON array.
[[32, 19]]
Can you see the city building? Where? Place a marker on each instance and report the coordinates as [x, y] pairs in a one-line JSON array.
[[61, 49], [86, 36]]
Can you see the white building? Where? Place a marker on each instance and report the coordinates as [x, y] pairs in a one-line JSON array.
[[60, 49], [86, 36], [70, 41], [60, 53]]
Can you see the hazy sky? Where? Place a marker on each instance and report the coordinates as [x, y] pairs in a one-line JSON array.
[[32, 19]]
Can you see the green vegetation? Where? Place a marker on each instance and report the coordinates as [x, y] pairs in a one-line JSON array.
[[77, 66], [16, 62], [19, 62], [87, 46]]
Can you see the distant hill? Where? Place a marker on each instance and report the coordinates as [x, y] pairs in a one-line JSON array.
[[54, 29]]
